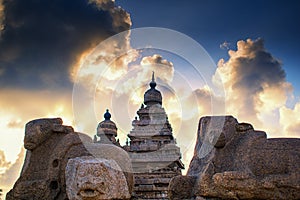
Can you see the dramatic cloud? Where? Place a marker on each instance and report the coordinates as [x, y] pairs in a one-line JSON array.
[[42, 45], [42, 40], [225, 45], [255, 85], [15, 124], [1, 17], [290, 120], [4, 164], [128, 87], [11, 172], [142, 73], [19, 106]]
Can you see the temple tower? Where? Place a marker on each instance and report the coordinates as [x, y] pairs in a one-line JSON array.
[[107, 131], [153, 150]]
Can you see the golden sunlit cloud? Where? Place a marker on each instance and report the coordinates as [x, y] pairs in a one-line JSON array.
[[290, 121], [252, 77], [20, 106]]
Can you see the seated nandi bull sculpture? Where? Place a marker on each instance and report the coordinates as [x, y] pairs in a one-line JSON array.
[[233, 161], [49, 145]]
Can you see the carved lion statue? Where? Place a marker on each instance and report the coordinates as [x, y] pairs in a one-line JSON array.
[[95, 179]]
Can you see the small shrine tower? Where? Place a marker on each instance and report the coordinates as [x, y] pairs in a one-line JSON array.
[[107, 131]]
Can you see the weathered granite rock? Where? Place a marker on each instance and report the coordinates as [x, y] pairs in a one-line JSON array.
[[181, 187], [49, 146], [95, 179], [113, 152], [237, 162]]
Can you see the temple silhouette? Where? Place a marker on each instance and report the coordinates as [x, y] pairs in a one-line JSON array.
[[155, 157]]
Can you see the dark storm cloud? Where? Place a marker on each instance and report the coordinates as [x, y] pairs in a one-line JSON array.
[[250, 72], [41, 40], [255, 67]]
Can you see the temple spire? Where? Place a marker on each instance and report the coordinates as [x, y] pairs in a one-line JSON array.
[[153, 80], [153, 83]]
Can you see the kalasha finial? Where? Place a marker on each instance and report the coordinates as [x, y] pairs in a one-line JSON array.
[[153, 80], [107, 115], [153, 83]]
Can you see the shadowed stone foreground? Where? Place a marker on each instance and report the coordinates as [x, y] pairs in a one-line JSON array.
[[51, 147], [95, 179], [235, 161], [231, 161]]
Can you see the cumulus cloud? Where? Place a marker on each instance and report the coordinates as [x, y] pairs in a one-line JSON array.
[[121, 18], [11, 172], [4, 164], [15, 124], [225, 45], [104, 4], [21, 106], [33, 104], [290, 120], [41, 47], [41, 41], [252, 77], [18, 107], [155, 63], [294, 129], [156, 59], [162, 67]]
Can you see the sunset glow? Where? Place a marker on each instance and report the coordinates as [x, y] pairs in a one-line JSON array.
[[47, 55]]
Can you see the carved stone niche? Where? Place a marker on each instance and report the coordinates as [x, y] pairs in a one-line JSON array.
[[233, 161], [95, 179], [49, 146]]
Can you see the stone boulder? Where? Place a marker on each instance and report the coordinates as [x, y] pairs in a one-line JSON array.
[[233, 161], [49, 146], [95, 179], [113, 152]]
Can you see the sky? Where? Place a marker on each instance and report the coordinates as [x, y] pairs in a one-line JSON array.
[[62, 58]]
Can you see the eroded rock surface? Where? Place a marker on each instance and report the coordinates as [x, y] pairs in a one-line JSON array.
[[95, 179], [113, 152], [233, 161], [49, 146]]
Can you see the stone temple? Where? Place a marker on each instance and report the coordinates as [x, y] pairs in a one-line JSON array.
[[240, 162], [152, 148]]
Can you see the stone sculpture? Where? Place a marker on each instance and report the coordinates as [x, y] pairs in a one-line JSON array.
[[231, 161], [113, 152], [49, 146], [95, 179], [239, 163]]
